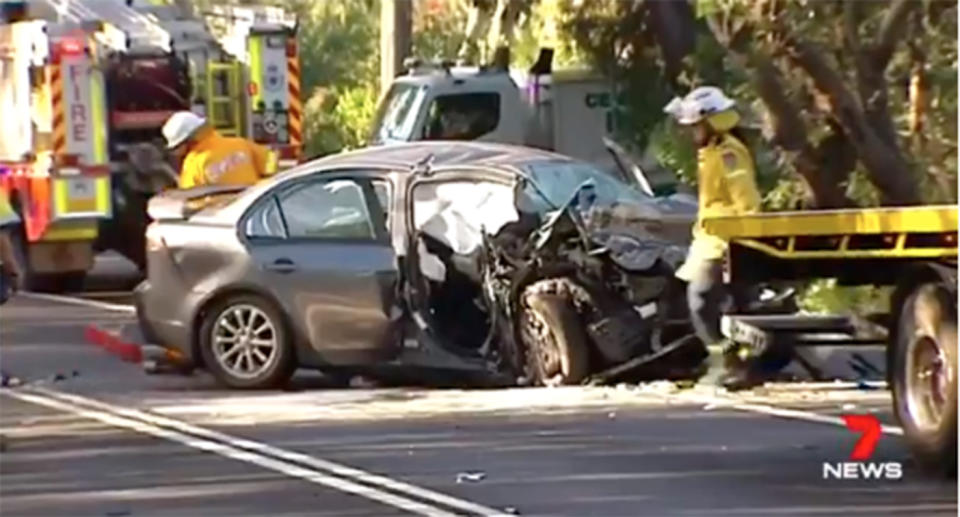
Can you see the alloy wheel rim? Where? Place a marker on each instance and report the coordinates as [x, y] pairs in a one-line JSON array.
[[245, 341], [928, 391]]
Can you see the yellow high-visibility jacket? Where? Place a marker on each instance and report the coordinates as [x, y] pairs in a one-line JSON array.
[[727, 187], [7, 214], [218, 160]]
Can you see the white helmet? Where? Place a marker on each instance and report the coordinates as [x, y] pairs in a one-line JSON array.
[[181, 126], [698, 105]]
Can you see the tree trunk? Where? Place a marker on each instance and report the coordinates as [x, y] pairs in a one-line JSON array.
[[887, 168], [872, 64], [675, 29]]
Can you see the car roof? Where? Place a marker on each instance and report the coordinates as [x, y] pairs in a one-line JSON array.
[[404, 156], [399, 158]]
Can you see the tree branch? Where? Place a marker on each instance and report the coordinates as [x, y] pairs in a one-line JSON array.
[[871, 64], [887, 168], [891, 29], [675, 31]]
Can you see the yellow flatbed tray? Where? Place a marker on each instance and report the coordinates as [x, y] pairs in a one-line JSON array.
[[902, 232]]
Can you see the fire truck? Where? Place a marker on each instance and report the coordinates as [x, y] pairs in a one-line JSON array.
[[86, 85]]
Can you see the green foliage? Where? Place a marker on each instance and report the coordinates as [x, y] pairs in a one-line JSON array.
[[673, 148], [826, 297], [438, 29], [339, 50]]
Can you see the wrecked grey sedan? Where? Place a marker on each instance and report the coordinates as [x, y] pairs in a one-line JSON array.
[[484, 260]]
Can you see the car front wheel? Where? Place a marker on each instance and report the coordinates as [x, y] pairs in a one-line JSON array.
[[555, 343], [245, 344]]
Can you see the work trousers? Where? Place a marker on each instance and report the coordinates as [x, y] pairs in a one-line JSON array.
[[707, 297]]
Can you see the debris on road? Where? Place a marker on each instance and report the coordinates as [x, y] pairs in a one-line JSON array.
[[470, 477], [511, 510], [9, 381], [361, 382], [848, 407], [661, 387]]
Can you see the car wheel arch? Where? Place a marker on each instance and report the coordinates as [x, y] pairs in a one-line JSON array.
[[224, 293]]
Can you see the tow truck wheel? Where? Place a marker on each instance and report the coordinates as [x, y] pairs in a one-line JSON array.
[[925, 376], [245, 344], [555, 343]]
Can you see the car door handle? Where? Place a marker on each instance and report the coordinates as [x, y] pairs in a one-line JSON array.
[[282, 265]]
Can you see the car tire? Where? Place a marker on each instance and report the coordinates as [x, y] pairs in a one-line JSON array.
[[245, 343], [927, 409], [555, 344]]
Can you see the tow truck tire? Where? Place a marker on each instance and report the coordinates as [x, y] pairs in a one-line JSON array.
[[924, 376], [555, 342], [218, 321]]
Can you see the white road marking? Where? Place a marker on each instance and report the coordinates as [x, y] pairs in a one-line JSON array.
[[96, 304], [764, 409], [331, 474]]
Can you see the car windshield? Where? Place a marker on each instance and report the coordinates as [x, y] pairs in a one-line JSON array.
[[397, 113], [553, 182]]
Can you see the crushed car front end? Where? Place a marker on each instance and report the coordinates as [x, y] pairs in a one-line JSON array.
[[586, 295]]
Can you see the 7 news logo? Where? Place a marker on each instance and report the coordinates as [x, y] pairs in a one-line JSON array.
[[859, 467]]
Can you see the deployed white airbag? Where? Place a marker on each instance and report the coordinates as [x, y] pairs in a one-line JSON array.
[[455, 212]]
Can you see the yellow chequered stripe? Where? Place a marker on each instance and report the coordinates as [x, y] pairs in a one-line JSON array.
[[256, 71], [99, 120]]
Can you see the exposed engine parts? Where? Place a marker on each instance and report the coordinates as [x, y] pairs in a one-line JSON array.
[[569, 308]]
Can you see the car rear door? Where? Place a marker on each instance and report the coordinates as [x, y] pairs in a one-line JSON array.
[[333, 264]]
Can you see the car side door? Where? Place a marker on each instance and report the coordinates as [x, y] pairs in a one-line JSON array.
[[333, 264]]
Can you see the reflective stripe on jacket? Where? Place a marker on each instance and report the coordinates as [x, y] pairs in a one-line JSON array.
[[8, 216], [218, 160]]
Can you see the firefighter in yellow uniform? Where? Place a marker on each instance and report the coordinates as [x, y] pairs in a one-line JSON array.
[[727, 187], [210, 158]]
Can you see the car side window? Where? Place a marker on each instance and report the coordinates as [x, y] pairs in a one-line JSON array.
[[464, 116], [266, 222], [328, 209]]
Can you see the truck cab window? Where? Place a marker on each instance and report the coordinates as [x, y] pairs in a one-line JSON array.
[[397, 113], [464, 116]]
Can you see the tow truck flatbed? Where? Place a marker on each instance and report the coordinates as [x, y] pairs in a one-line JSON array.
[[913, 250], [907, 232]]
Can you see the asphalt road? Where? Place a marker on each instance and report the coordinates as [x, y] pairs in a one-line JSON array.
[[88, 434]]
